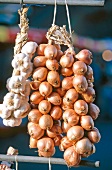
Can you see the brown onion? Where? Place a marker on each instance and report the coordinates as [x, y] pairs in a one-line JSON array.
[[35, 85], [87, 122], [75, 133], [33, 106], [34, 115], [46, 154], [80, 83], [54, 131], [94, 135], [57, 122], [65, 143], [46, 122], [35, 131], [39, 61], [50, 51], [67, 83], [85, 56], [89, 73], [81, 107], [33, 143], [89, 95], [71, 157], [57, 46], [66, 71], [40, 73], [36, 97], [93, 150], [53, 78], [54, 98], [59, 55], [57, 140], [94, 111], [40, 49], [52, 65], [56, 112], [65, 127], [60, 91], [45, 89], [44, 106], [66, 60], [83, 146], [70, 117], [45, 144], [71, 95], [65, 105], [79, 68]]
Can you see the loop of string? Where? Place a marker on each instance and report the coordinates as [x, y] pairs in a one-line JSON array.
[[16, 162], [49, 164], [68, 17], [55, 10]]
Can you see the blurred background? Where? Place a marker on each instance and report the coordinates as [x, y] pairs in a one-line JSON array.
[[92, 30]]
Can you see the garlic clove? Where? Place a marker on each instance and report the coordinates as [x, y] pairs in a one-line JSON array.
[[12, 122], [5, 113], [29, 47]]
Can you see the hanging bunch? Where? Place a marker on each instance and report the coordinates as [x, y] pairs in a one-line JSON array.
[[15, 103]]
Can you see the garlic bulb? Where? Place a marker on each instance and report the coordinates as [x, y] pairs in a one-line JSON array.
[[12, 101], [12, 121], [5, 113], [21, 62], [29, 48], [16, 84]]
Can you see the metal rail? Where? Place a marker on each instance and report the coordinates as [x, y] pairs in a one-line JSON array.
[[42, 160], [59, 2]]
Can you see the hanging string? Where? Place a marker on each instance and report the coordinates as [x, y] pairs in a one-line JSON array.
[[49, 164], [55, 10], [68, 17], [16, 162]]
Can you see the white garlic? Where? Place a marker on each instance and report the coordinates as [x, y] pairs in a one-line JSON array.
[[21, 62], [5, 113], [29, 48], [12, 101], [16, 84], [12, 121], [21, 110], [27, 90]]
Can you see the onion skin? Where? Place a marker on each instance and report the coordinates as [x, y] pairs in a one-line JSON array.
[[89, 73], [59, 55], [40, 49], [46, 122], [54, 131], [58, 47], [94, 111], [79, 68], [35, 131], [33, 106], [71, 157], [52, 65], [45, 89], [36, 97], [39, 61], [44, 106], [54, 98], [67, 83], [83, 146], [65, 127], [70, 117], [45, 144], [89, 95], [71, 96], [66, 71], [34, 115], [94, 135], [34, 85], [66, 60], [46, 154], [80, 83], [85, 56], [81, 107], [65, 143], [75, 133], [50, 52], [33, 143], [53, 78], [56, 112], [57, 140], [65, 105], [60, 91], [40, 73], [87, 122]]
